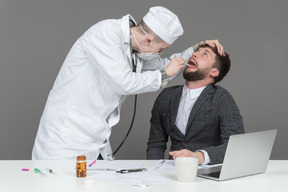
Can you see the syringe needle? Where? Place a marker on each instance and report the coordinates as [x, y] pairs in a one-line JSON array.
[[50, 171]]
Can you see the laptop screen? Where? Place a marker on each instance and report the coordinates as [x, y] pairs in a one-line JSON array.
[[246, 154]]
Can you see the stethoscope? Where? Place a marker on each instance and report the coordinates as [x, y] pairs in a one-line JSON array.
[[134, 65]]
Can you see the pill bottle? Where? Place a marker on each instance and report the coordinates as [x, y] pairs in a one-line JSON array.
[[81, 166]]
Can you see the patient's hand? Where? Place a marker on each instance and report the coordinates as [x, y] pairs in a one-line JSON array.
[[187, 153]]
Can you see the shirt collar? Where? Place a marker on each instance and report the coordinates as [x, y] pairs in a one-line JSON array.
[[193, 93]]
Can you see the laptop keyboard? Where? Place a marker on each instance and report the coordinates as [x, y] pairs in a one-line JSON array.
[[214, 174]]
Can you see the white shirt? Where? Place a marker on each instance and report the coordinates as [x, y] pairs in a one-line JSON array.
[[187, 101]]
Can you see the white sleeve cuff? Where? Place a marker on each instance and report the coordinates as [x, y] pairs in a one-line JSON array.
[[207, 158]]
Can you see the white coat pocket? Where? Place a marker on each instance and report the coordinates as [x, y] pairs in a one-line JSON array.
[[79, 128]]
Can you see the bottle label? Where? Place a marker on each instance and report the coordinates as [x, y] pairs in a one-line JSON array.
[[81, 169]]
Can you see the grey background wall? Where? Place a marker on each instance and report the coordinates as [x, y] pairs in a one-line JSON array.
[[35, 37]]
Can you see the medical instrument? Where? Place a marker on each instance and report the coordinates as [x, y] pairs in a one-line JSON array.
[[186, 64], [103, 169], [93, 162], [131, 170], [131, 125], [81, 166], [110, 157], [50, 171], [39, 172], [25, 169]]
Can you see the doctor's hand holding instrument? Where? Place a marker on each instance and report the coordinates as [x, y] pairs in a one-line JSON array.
[[175, 65]]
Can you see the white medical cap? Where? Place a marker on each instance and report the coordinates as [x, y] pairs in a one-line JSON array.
[[164, 23]]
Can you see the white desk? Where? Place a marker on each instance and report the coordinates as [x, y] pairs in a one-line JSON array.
[[13, 179]]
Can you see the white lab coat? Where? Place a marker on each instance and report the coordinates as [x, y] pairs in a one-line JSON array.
[[94, 81]]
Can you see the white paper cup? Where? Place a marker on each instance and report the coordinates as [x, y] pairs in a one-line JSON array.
[[186, 168]]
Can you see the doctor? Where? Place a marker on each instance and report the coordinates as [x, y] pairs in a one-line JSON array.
[[110, 61]]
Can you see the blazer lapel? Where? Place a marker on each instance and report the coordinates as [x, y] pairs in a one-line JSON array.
[[175, 100], [203, 97]]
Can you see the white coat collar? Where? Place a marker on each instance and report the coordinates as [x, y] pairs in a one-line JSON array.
[[125, 27], [126, 35]]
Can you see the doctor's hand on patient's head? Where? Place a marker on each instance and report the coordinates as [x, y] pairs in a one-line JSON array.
[[175, 65], [187, 153], [213, 43]]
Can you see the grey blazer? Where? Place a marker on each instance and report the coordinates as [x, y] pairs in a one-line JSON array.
[[214, 117]]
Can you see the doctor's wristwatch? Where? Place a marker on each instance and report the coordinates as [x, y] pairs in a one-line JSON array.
[[164, 79]]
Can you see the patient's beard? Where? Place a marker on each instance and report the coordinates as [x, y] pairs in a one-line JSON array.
[[194, 76]]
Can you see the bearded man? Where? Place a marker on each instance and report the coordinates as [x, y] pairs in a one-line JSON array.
[[199, 116]]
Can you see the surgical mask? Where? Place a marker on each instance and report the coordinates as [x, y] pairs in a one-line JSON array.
[[145, 56], [148, 56]]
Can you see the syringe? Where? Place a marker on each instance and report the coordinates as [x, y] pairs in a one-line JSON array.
[[39, 172]]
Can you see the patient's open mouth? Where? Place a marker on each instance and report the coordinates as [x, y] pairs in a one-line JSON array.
[[192, 64]]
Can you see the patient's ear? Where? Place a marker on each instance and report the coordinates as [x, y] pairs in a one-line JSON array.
[[214, 72]]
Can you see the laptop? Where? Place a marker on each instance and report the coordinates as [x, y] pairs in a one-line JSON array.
[[246, 154]]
